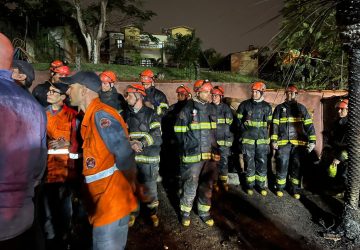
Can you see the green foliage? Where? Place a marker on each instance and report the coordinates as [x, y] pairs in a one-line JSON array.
[[310, 28], [184, 50], [210, 58]]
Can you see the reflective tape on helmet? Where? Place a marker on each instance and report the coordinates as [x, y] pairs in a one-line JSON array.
[[101, 175]]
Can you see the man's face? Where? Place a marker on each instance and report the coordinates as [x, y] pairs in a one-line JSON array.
[[205, 96], [130, 99], [290, 96], [343, 112], [18, 76], [216, 99], [54, 96], [256, 94], [76, 93], [105, 86], [146, 85], [181, 97]]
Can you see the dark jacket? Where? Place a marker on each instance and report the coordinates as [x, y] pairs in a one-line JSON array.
[[338, 139], [293, 124], [195, 129], [224, 120], [158, 99], [145, 127], [40, 93], [113, 99], [255, 119], [23, 155]]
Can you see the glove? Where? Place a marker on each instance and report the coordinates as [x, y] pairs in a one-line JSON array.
[[274, 145], [332, 170], [310, 147]]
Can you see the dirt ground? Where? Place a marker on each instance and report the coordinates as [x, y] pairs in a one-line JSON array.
[[244, 222]]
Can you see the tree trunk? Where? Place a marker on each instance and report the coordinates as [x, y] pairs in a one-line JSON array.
[[348, 18]]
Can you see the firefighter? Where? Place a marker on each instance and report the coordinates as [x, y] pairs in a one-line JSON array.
[[108, 93], [108, 163], [145, 139], [61, 171], [23, 73], [195, 129], [255, 117], [338, 167], [57, 70], [292, 135], [170, 161], [223, 135], [155, 98]]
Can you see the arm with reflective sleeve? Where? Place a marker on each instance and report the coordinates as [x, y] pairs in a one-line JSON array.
[[274, 128], [309, 126], [154, 135]]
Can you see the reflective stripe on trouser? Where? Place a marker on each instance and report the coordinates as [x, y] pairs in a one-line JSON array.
[[223, 163], [197, 178], [255, 161], [288, 164], [147, 175]]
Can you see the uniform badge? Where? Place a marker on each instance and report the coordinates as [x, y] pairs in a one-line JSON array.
[[194, 112], [105, 123], [90, 162], [284, 110]]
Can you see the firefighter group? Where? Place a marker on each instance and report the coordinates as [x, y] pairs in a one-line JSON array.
[[105, 149]]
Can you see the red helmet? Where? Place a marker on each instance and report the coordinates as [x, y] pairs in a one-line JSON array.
[[56, 63], [202, 85], [108, 76], [342, 104], [259, 86], [62, 70], [147, 76], [291, 88], [135, 88], [183, 90], [217, 90]]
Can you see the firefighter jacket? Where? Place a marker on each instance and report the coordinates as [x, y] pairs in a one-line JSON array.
[[145, 127], [224, 120], [113, 99], [158, 99], [292, 124], [255, 119], [195, 130], [108, 194], [61, 126], [338, 139]]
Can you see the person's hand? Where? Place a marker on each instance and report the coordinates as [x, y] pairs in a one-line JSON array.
[[310, 147], [136, 146], [274, 146], [59, 143]]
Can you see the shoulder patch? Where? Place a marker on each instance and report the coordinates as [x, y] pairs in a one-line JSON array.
[[105, 123], [90, 162]]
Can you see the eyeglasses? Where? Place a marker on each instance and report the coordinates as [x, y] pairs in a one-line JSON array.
[[52, 92]]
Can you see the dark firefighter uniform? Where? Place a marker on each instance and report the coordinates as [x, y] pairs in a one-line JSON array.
[[292, 130], [224, 137], [196, 132], [255, 119], [144, 126], [158, 99]]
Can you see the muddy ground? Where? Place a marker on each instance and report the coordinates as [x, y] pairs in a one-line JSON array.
[[244, 222]]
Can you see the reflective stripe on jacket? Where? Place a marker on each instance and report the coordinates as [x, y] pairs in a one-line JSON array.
[[109, 198], [224, 120]]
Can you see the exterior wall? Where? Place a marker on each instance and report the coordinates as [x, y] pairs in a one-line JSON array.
[[235, 93], [244, 64]]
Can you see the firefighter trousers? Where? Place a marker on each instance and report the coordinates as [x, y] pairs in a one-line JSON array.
[[288, 165], [223, 163], [255, 162], [147, 175], [197, 179]]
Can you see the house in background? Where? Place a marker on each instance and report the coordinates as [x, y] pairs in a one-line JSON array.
[[182, 30]]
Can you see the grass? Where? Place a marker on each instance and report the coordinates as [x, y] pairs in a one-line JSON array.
[[131, 73]]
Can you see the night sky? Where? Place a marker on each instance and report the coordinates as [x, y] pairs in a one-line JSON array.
[[225, 25]]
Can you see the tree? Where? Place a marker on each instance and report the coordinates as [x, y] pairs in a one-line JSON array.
[[93, 20], [210, 58], [184, 50], [308, 46]]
